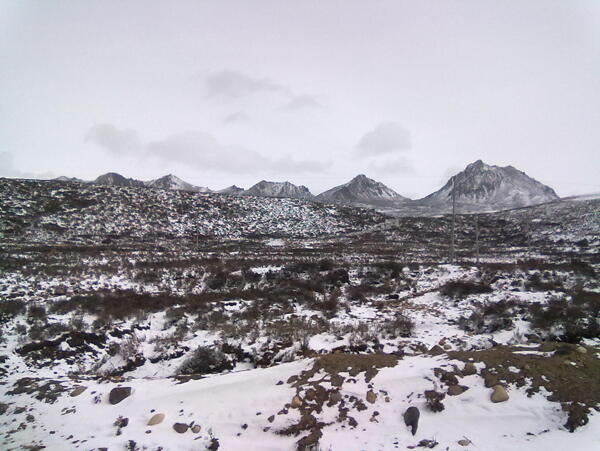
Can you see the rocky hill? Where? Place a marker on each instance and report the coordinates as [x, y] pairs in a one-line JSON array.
[[484, 187], [278, 189], [173, 182], [66, 212], [362, 190]]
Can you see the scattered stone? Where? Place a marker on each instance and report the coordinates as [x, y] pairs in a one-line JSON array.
[[499, 394], [156, 419], [296, 402], [436, 350], [434, 400], [118, 394], [455, 390], [78, 390], [3, 408], [180, 427], [411, 418], [464, 442], [196, 428], [371, 397], [271, 418], [469, 369], [491, 380]]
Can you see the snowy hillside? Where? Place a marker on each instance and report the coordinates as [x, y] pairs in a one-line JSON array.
[[172, 182], [278, 189], [484, 187], [362, 190], [60, 212]]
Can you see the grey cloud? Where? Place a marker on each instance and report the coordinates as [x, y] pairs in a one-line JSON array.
[[227, 85], [400, 165], [302, 102], [114, 140], [201, 150], [236, 117], [386, 138]]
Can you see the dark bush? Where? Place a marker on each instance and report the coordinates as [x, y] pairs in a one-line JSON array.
[[461, 288], [10, 309], [206, 360]]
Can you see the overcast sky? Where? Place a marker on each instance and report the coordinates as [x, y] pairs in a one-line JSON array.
[[314, 92]]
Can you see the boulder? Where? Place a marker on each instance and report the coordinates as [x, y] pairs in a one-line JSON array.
[[469, 369], [455, 390], [411, 418], [180, 427], [436, 350], [371, 397], [499, 394], [296, 402], [77, 391], [156, 419], [581, 350], [118, 394]]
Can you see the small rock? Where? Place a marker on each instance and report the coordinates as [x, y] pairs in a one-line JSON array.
[[581, 350], [77, 391], [118, 394], [196, 428], [411, 418], [180, 427], [156, 419], [296, 402], [447, 347], [455, 390], [3, 408], [469, 369], [464, 442], [499, 394], [271, 418], [371, 397], [436, 350], [491, 380]]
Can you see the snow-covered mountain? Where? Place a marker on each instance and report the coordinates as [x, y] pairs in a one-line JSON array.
[[278, 189], [362, 190], [173, 182], [114, 179], [232, 190], [485, 187]]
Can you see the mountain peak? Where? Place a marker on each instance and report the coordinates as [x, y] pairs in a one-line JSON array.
[[364, 191], [172, 182], [265, 188], [483, 187]]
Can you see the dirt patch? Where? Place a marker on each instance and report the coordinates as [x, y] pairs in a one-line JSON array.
[[311, 395], [571, 373]]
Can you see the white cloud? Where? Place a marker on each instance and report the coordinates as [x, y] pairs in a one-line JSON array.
[[200, 150], [387, 137], [227, 85], [114, 140]]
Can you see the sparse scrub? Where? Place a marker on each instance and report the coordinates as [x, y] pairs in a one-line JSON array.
[[459, 289], [205, 360]]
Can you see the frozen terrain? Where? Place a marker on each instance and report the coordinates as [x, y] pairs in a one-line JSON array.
[[240, 323]]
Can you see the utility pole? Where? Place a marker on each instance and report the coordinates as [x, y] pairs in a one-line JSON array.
[[477, 240], [453, 220]]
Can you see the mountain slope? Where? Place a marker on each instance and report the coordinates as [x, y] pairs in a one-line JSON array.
[[485, 187], [362, 190], [278, 189], [232, 190], [114, 179], [175, 183]]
